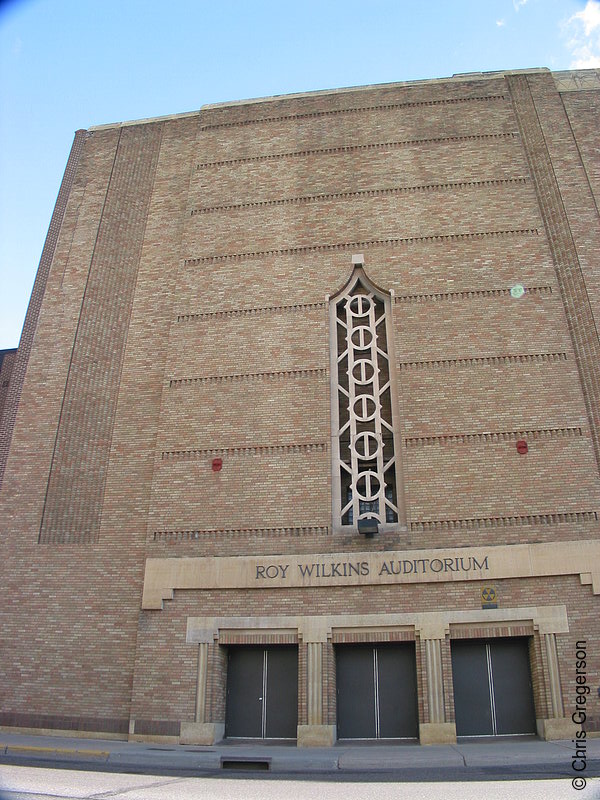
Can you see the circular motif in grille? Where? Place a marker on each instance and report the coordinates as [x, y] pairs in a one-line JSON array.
[[366, 446], [361, 337], [363, 371], [360, 306], [367, 485], [364, 408]]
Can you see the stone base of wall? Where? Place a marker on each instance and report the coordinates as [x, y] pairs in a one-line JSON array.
[[437, 733], [201, 732], [316, 735], [557, 728]]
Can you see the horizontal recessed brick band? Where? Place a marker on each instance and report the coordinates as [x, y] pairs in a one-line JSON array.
[[354, 110], [217, 533], [15, 719], [357, 148], [527, 358], [327, 248], [505, 522], [538, 291], [382, 192], [368, 637], [156, 727], [485, 631], [249, 312], [251, 376], [493, 437], [231, 637], [70, 537], [258, 450]]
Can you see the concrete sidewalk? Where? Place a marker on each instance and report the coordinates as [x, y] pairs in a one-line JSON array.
[[465, 760]]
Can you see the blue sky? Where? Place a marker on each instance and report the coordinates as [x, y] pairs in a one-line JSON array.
[[69, 64]]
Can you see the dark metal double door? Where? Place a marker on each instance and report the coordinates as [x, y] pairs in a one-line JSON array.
[[376, 691], [262, 692], [492, 687]]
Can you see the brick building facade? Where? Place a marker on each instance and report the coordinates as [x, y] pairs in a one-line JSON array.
[[302, 439], [7, 360]]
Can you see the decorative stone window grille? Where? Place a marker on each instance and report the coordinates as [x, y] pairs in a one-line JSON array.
[[364, 444]]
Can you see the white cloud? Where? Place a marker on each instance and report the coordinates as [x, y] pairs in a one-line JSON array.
[[500, 23], [590, 16], [517, 4], [583, 30]]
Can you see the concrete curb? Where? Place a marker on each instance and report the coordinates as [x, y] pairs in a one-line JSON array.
[[464, 760], [67, 751]]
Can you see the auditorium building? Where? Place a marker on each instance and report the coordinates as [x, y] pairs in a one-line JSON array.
[[301, 441]]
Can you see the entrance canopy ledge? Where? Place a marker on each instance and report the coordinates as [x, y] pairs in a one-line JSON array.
[[547, 619]]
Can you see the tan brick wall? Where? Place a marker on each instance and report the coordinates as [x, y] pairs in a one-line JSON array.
[[250, 344], [13, 394], [232, 228], [73, 505], [6, 367]]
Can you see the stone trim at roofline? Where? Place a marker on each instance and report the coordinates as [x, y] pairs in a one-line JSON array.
[[458, 77]]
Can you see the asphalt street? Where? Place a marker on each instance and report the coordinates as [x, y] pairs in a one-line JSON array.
[[29, 783]]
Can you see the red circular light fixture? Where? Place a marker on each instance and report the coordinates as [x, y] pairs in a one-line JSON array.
[[522, 447], [217, 464]]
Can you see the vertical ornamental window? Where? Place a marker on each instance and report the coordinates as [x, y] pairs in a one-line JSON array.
[[363, 446]]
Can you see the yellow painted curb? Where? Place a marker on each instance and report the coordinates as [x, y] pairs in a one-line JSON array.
[[10, 748]]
